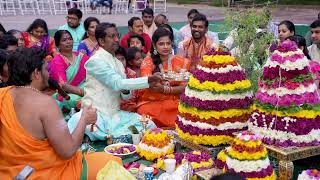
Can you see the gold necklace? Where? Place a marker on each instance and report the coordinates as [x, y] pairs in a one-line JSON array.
[[29, 87], [67, 59]]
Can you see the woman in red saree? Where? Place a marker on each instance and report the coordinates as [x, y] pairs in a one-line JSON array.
[[161, 103], [37, 36]]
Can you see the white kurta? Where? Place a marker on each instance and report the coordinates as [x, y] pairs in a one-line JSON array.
[[105, 78]]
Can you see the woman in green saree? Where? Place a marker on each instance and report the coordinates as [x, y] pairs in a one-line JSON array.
[[67, 68]]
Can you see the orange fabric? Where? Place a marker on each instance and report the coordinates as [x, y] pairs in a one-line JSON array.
[[19, 148], [163, 108], [97, 161], [194, 51]]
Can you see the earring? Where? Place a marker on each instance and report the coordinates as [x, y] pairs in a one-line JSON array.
[[155, 52]]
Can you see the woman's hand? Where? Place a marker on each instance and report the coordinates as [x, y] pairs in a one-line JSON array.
[[157, 87]]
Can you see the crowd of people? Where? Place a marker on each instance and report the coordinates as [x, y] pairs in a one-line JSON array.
[[111, 80]]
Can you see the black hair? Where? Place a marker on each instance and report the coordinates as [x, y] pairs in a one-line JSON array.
[[135, 36], [289, 25], [38, 23], [3, 59], [201, 17], [300, 41], [76, 12], [164, 16], [168, 27], [2, 29], [147, 11], [160, 32], [8, 40], [192, 11], [58, 35], [122, 51], [13, 31], [132, 20], [87, 23], [228, 176], [22, 63], [100, 30], [315, 24], [131, 53]]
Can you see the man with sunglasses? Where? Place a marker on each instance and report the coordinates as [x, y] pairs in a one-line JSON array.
[[74, 26], [106, 85]]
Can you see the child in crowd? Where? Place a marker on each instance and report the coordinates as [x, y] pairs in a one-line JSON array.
[[134, 59], [136, 41], [121, 54], [133, 63]]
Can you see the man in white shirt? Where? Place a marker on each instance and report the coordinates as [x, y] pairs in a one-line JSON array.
[[314, 49]]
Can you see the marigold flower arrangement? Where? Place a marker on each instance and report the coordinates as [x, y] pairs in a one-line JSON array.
[[217, 101], [155, 143], [286, 111], [199, 160], [248, 157]]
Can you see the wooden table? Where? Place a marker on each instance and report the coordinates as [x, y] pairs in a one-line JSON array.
[[287, 155]]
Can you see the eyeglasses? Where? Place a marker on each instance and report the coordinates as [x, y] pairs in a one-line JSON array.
[[113, 36]]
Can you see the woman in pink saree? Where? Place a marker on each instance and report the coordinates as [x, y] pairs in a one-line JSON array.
[[67, 68]]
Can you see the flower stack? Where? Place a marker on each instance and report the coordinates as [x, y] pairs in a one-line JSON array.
[[220, 162], [287, 109], [248, 157], [155, 143], [310, 174], [199, 160], [217, 101]]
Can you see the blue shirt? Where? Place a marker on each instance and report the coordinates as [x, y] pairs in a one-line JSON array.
[[76, 33]]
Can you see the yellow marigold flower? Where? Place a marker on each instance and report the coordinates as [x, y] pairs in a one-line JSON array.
[[248, 143], [213, 114], [218, 59], [222, 156], [300, 114], [215, 86], [246, 155], [204, 139], [196, 165]]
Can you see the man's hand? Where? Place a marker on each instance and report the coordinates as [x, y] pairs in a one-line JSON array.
[[89, 114], [154, 79]]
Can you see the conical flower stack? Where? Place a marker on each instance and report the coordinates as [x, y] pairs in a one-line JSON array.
[[248, 157], [287, 110], [217, 101]]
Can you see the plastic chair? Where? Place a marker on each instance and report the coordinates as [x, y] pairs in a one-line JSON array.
[[7, 7], [45, 6], [159, 5], [121, 6], [60, 6], [139, 5], [29, 6]]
